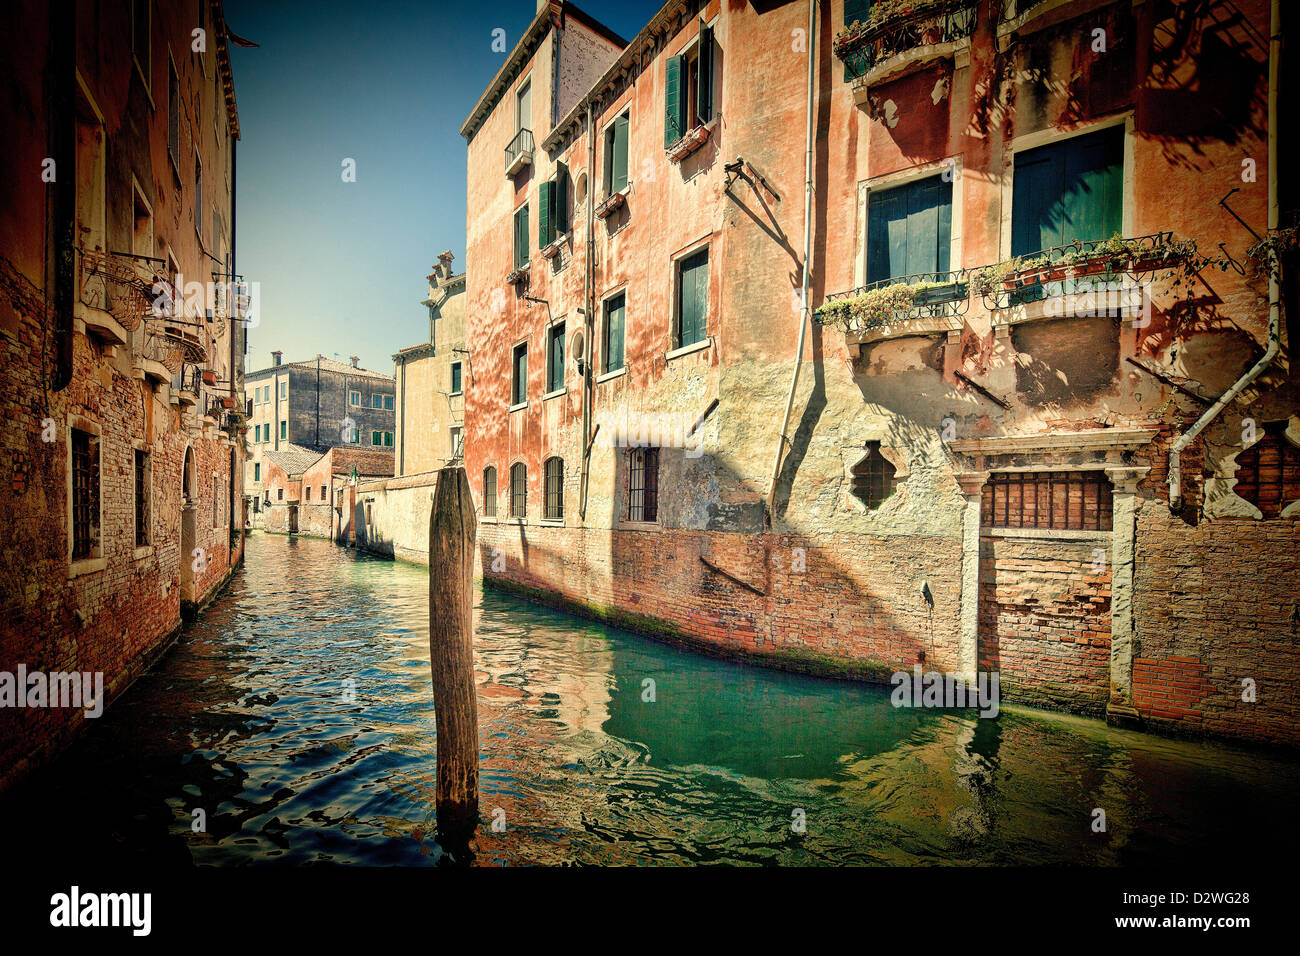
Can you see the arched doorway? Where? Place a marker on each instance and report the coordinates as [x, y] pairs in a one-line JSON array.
[[188, 502]]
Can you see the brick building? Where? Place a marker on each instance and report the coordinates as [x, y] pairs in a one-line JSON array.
[[316, 404], [430, 380], [302, 487], [121, 349], [963, 455]]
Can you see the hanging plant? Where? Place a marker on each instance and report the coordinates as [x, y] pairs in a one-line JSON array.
[[870, 310]]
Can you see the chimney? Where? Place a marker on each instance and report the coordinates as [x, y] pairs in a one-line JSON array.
[[355, 360], [444, 265], [275, 356]]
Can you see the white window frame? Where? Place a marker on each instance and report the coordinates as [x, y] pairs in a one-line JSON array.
[[904, 177]]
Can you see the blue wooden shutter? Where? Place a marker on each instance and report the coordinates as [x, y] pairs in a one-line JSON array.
[[704, 85], [561, 218], [909, 230], [1066, 191], [673, 100], [619, 178]]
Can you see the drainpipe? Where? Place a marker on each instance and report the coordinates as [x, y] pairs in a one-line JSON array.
[[1274, 290], [586, 319], [807, 247], [62, 133]]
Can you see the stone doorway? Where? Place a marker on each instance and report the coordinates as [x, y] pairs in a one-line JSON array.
[[293, 519]]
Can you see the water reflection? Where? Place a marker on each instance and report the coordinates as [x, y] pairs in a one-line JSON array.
[[249, 721]]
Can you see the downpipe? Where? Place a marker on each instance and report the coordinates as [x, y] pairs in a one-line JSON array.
[[587, 298], [1274, 289], [807, 247]]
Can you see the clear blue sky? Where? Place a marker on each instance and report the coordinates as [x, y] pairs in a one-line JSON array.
[[388, 84]]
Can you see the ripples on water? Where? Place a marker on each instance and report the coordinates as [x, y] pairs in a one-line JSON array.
[[247, 719]]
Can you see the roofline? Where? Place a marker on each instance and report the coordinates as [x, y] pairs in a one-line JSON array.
[[224, 67], [527, 45]]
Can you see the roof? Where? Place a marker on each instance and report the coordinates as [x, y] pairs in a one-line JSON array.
[[294, 459], [326, 365], [224, 71], [527, 45]]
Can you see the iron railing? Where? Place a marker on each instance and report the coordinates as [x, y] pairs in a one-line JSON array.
[[861, 47], [521, 144], [935, 294]]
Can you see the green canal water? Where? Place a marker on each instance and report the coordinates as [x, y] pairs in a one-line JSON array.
[[248, 720]]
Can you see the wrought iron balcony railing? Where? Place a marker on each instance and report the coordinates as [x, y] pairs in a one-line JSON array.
[[894, 28], [901, 299], [520, 151]]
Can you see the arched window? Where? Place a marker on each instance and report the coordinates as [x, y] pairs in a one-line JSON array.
[[554, 488], [873, 477], [490, 491], [1268, 472], [519, 490]]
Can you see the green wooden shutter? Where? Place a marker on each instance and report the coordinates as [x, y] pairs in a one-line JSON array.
[[615, 315], [619, 180], [673, 100], [693, 298], [909, 230], [545, 209], [858, 11], [521, 237], [561, 199], [704, 88], [1066, 191]]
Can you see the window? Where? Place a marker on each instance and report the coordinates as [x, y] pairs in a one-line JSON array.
[[1068, 500], [457, 436], [692, 297], [140, 45], [257, 471], [173, 116], [524, 106], [554, 487], [613, 323], [143, 489], [855, 11], [553, 207], [489, 492], [257, 433], [643, 484], [322, 493], [85, 495], [909, 229], [521, 236], [216, 502], [873, 477], [198, 196], [1268, 472], [142, 225], [455, 378], [279, 494], [388, 439], [1072, 189], [284, 430], [555, 357], [308, 491], [388, 402], [354, 397], [519, 375], [376, 438], [376, 401], [688, 88], [284, 389], [519, 490], [356, 436], [616, 155]]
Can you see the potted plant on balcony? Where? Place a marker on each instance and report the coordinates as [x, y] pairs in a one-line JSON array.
[[871, 309]]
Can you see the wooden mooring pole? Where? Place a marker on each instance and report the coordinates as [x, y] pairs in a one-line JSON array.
[[452, 528]]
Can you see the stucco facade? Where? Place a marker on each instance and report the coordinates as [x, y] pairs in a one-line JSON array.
[[946, 409]]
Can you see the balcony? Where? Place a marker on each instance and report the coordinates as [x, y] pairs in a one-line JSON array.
[[520, 152], [920, 304], [901, 36]]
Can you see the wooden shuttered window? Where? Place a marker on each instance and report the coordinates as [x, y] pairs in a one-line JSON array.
[[909, 229], [545, 214], [616, 156], [555, 358], [674, 115], [519, 374], [612, 339], [1268, 472], [560, 214], [692, 298], [1058, 500], [1068, 190], [704, 81], [521, 237]]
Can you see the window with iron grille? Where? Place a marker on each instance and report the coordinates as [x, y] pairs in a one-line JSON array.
[[554, 488], [143, 481], [490, 492], [85, 494], [1056, 500], [873, 477], [643, 484], [518, 490], [1268, 472]]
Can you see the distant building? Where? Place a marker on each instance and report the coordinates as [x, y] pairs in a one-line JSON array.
[[302, 486], [431, 380], [315, 404]]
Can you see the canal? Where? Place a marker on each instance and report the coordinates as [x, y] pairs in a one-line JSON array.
[[295, 716]]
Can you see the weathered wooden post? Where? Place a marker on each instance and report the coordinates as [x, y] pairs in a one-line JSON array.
[[452, 528]]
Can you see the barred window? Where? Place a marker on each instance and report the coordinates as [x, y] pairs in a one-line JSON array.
[[1060, 500], [555, 488], [1268, 472], [143, 473], [490, 492], [873, 477], [643, 484], [85, 494], [518, 490]]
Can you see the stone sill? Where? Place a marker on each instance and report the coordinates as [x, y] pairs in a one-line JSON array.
[[145, 552], [520, 407], [610, 376], [518, 276], [552, 248], [524, 158], [1036, 311], [1045, 534], [98, 324], [612, 203], [909, 61], [690, 142], [704, 343], [554, 394], [639, 526], [551, 522], [929, 325], [1038, 18], [152, 371], [86, 566]]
